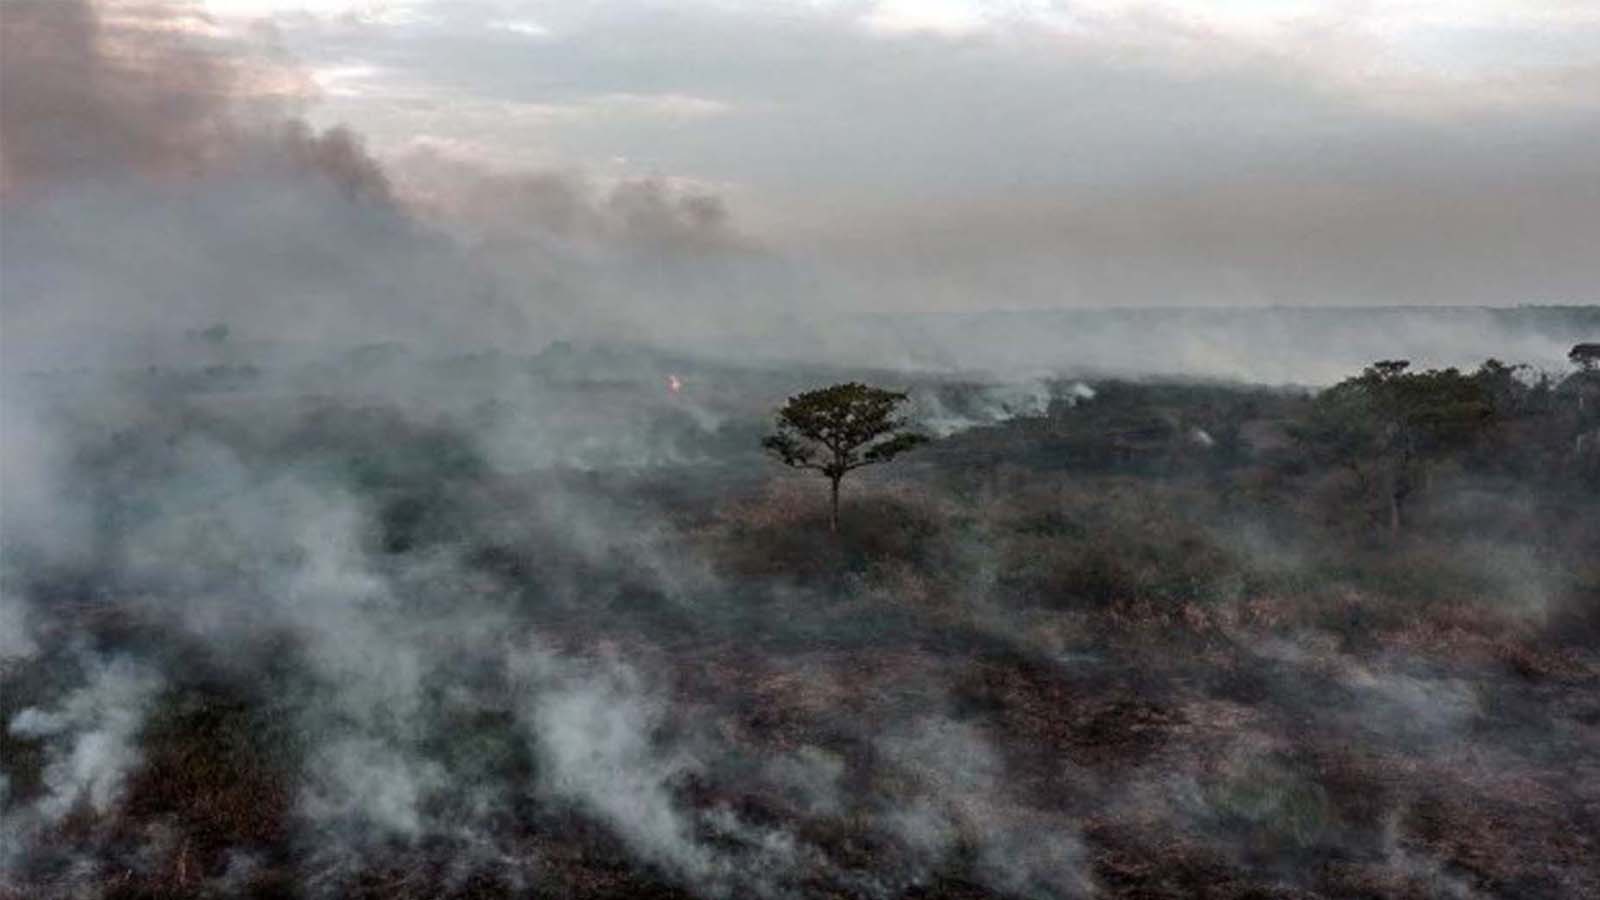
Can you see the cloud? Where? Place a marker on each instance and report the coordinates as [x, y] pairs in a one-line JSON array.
[[975, 155], [952, 19]]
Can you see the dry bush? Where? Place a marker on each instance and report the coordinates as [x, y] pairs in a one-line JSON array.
[[782, 532], [1142, 552]]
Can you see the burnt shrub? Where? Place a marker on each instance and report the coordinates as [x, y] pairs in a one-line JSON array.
[[1079, 548], [782, 533]]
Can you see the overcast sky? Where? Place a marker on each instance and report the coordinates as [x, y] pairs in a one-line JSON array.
[[959, 154]]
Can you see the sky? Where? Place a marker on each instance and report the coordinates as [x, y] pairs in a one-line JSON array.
[[955, 154]]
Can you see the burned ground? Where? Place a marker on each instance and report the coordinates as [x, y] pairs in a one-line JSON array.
[[312, 645]]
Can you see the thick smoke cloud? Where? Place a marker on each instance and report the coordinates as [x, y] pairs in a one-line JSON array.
[[138, 88], [1091, 154], [155, 159], [83, 96], [155, 182], [160, 159], [650, 260]]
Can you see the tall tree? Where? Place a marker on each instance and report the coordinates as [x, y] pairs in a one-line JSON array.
[[836, 430], [1393, 422]]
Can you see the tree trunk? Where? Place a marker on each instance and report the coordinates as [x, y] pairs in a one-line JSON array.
[[1399, 491], [833, 510]]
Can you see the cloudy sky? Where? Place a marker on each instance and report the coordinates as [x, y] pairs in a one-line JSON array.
[[958, 153]]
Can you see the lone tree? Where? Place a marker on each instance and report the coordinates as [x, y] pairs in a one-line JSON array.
[[837, 429]]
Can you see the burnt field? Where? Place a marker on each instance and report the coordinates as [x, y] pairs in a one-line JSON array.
[[383, 625]]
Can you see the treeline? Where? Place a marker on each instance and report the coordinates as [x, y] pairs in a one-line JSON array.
[[1389, 427]]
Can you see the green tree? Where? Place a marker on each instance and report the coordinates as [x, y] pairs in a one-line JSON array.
[[1388, 424], [1583, 386], [1585, 356], [836, 430], [1510, 390]]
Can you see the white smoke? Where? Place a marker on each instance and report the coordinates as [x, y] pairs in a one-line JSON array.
[[594, 729], [942, 415], [91, 735], [958, 784]]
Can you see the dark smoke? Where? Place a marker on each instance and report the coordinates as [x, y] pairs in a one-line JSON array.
[[131, 90]]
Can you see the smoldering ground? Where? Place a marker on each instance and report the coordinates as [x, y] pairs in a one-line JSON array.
[[269, 639], [399, 670], [330, 570]]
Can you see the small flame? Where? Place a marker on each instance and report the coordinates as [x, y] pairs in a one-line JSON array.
[[674, 383]]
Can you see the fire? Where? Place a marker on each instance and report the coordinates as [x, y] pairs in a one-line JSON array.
[[674, 383]]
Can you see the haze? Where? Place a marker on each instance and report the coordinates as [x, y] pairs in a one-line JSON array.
[[968, 155]]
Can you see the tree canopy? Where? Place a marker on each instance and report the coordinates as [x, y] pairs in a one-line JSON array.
[[836, 430], [1396, 421], [1585, 356]]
